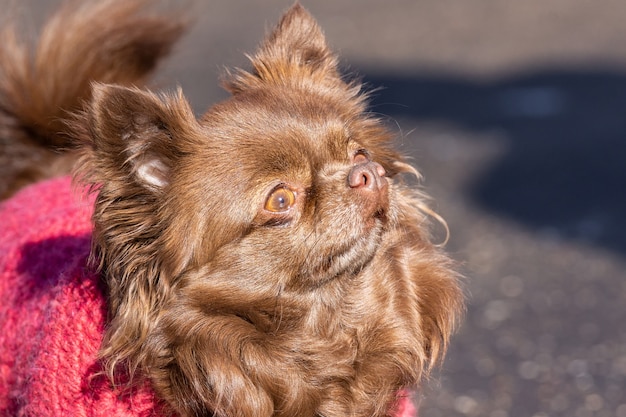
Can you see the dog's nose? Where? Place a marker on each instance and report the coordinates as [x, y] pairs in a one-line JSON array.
[[367, 176]]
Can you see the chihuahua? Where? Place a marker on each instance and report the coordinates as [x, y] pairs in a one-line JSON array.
[[266, 258]]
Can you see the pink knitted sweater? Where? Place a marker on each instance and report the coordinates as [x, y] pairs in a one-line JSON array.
[[52, 313]]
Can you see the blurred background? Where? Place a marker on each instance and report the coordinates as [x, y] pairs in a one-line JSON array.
[[515, 112]]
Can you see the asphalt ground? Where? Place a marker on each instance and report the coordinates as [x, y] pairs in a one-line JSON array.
[[515, 114]]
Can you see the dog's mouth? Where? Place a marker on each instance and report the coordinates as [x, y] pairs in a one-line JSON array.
[[379, 216], [347, 258], [354, 237]]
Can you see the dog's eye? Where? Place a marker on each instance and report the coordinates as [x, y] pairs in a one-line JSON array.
[[361, 156], [279, 200]]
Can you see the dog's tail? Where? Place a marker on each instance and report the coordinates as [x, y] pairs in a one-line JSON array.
[[109, 41]]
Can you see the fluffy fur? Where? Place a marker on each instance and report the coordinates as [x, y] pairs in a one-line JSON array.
[[112, 41], [265, 259]]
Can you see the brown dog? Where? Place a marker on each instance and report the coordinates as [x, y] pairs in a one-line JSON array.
[[266, 259]]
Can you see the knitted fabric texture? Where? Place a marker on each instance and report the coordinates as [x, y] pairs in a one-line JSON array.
[[53, 311]]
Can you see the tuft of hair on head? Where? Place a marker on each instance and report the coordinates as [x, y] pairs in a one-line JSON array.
[[295, 52]]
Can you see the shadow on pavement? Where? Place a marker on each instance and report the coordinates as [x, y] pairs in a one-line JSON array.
[[565, 169]]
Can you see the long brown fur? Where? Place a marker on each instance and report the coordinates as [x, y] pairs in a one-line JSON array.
[[230, 308], [111, 41]]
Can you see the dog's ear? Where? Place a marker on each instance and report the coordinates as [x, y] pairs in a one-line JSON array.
[[133, 135], [295, 51], [131, 141]]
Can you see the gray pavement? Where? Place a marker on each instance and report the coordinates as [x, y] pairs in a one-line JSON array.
[[516, 114]]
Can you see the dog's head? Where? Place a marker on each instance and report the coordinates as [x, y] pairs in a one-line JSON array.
[[279, 207]]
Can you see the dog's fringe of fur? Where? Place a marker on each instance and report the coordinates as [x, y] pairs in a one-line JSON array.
[[110, 41], [125, 248]]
